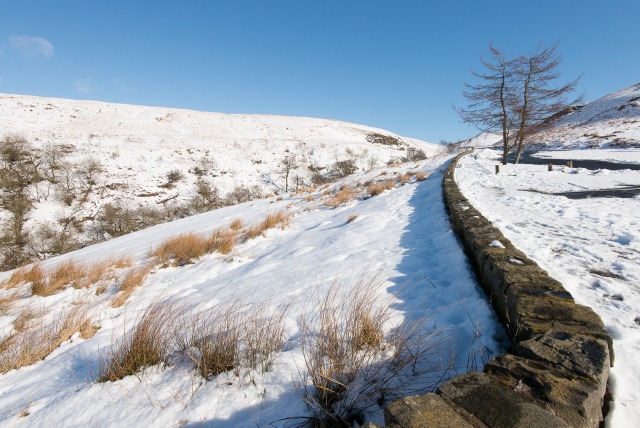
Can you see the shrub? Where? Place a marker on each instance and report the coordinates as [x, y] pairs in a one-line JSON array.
[[343, 168], [386, 140], [421, 176], [352, 217], [414, 154]]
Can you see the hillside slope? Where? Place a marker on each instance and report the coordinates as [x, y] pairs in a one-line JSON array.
[[612, 121], [399, 240], [102, 169]]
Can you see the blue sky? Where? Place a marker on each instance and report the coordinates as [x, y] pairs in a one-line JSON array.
[[397, 65]]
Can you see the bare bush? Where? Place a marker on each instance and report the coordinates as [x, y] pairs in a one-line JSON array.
[[242, 194], [421, 176]]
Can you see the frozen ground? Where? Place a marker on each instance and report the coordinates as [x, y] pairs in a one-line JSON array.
[[591, 245], [402, 236]]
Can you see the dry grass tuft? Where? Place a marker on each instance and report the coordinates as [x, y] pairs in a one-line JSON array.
[[375, 189], [421, 176], [352, 217], [405, 178], [309, 198], [33, 344], [236, 224], [25, 275], [187, 248], [271, 221], [352, 364], [69, 273], [343, 196], [180, 250], [148, 344], [6, 303], [132, 280], [222, 242]]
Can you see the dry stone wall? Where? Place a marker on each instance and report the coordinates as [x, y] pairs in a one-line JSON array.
[[556, 373]]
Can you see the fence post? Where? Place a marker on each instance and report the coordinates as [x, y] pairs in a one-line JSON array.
[[497, 169], [550, 167]]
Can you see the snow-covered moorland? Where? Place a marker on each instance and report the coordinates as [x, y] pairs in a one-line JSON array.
[[96, 170], [591, 245], [333, 239]]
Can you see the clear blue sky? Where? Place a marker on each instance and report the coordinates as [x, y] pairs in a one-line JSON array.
[[398, 65]]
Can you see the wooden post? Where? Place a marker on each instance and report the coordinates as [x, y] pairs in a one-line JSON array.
[[550, 167], [570, 164], [497, 169]]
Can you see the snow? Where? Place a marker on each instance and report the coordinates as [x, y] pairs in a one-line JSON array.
[[402, 237], [591, 245], [611, 121], [137, 146]]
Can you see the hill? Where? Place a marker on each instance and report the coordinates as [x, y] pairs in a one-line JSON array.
[[612, 121], [90, 171]]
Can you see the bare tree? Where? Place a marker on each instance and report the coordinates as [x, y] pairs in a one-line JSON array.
[[491, 100], [539, 96], [289, 163], [515, 95]]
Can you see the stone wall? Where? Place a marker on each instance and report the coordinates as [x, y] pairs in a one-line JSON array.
[[556, 373]]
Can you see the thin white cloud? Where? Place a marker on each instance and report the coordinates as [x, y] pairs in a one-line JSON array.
[[84, 85], [31, 47]]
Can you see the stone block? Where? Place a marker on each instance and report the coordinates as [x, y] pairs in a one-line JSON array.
[[495, 404], [423, 411], [575, 399], [584, 355]]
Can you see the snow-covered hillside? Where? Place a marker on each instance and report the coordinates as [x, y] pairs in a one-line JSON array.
[[172, 162], [612, 121], [339, 238]]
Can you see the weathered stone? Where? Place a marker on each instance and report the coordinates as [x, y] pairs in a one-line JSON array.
[[422, 411], [495, 404], [528, 328], [576, 400], [584, 355]]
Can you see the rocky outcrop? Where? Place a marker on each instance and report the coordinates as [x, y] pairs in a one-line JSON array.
[[556, 374]]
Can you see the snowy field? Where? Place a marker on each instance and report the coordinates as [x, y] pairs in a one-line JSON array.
[[611, 155], [401, 237], [591, 245]]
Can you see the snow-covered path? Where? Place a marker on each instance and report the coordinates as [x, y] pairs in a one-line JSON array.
[[402, 237], [591, 245]]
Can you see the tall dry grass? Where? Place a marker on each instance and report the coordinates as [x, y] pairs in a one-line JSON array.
[[375, 189], [147, 344], [132, 280], [187, 248], [271, 221], [344, 195], [353, 362], [228, 336], [36, 341]]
